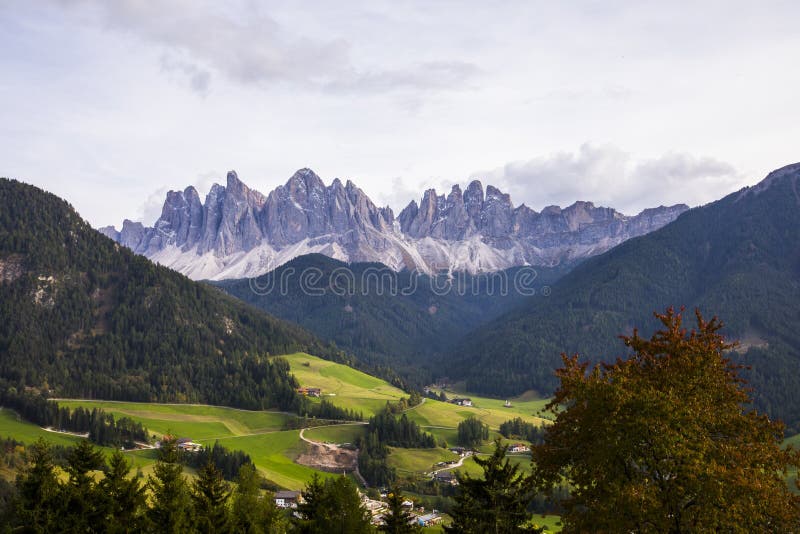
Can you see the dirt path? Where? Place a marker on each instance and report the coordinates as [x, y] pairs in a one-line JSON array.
[[76, 434]]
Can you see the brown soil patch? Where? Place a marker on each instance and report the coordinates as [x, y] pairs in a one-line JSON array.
[[328, 457]]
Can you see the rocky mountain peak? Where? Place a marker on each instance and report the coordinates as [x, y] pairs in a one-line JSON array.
[[239, 232]]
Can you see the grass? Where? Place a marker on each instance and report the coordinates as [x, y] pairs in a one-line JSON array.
[[418, 460], [274, 454], [199, 422], [12, 426], [336, 433], [471, 468], [260, 433], [257, 433], [342, 385]]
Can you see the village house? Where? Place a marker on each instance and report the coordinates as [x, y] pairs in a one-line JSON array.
[[519, 447], [310, 392], [288, 499], [462, 402]]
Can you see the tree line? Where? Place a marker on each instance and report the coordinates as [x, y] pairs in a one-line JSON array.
[[386, 429], [518, 428], [102, 428]]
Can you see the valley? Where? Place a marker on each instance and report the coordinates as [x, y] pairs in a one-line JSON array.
[[274, 448]]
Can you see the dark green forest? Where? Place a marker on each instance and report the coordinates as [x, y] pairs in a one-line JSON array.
[[393, 322], [81, 316], [738, 258]]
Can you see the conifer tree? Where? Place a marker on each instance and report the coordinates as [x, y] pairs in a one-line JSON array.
[[251, 512], [39, 492], [332, 507], [497, 502], [86, 506], [126, 497], [210, 494], [169, 511]]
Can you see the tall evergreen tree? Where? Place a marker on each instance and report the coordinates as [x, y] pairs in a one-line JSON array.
[[496, 503], [171, 504], [332, 507], [86, 506], [39, 491], [251, 512], [210, 494], [397, 519], [126, 497]]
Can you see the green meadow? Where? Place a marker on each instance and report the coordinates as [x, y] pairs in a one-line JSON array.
[[414, 461], [342, 385], [12, 426], [348, 433], [262, 434]]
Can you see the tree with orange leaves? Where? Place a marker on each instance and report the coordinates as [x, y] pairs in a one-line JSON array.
[[664, 441]]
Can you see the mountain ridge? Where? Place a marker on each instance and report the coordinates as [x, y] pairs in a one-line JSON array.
[[81, 316], [737, 258], [238, 232]]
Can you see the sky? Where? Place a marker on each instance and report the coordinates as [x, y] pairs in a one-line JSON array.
[[110, 104]]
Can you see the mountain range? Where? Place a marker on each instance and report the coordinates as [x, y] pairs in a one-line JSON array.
[[737, 258], [81, 316], [238, 232]]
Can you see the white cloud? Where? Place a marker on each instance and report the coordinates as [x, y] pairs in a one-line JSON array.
[[150, 210], [248, 46], [610, 176]]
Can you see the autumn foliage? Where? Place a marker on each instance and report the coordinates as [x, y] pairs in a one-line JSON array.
[[665, 441]]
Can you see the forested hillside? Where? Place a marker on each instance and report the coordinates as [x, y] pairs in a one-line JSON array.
[[82, 316], [737, 258], [388, 319]]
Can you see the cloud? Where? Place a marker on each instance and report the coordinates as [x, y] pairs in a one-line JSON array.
[[250, 47], [609, 176], [150, 210], [428, 75], [199, 79]]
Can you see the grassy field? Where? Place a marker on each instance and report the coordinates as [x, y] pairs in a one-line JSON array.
[[257, 433], [337, 433], [274, 454], [28, 433], [199, 422], [409, 461], [342, 385], [261, 434], [12, 426]]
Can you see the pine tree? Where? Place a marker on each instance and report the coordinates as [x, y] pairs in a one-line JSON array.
[[126, 497], [251, 512], [39, 504], [210, 494], [332, 507], [171, 504], [496, 503], [664, 441], [397, 519], [86, 506], [313, 505]]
